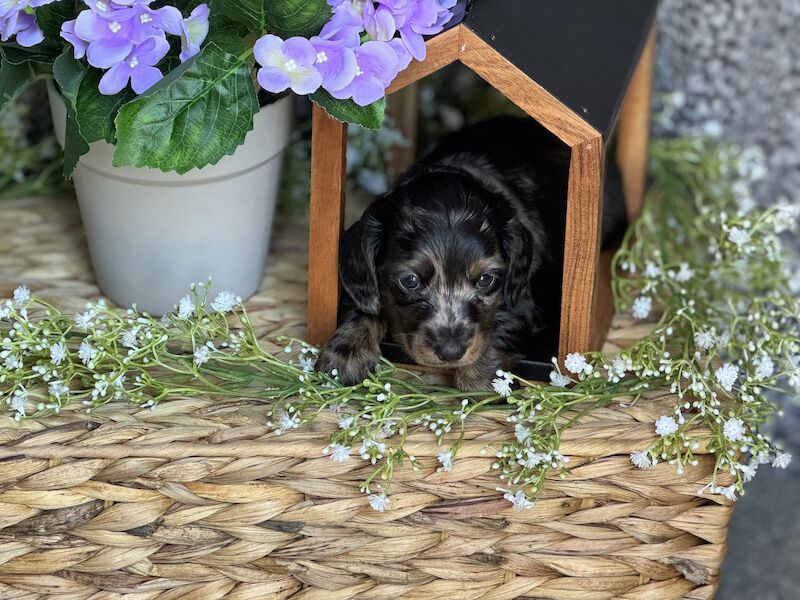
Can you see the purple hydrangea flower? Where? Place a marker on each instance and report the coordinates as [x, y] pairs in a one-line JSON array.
[[335, 62], [133, 2], [138, 68], [287, 64], [379, 22], [68, 33], [108, 40], [403, 55], [417, 18], [356, 6], [112, 36], [378, 65], [109, 10], [194, 30], [16, 19], [345, 25]]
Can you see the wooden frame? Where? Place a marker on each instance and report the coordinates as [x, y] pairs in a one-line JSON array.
[[586, 307]]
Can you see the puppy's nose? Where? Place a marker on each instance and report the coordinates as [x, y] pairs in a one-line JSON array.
[[449, 351]]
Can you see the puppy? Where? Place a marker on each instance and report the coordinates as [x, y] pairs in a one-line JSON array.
[[460, 263]]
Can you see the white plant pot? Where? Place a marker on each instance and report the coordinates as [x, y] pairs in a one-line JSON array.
[[151, 234]]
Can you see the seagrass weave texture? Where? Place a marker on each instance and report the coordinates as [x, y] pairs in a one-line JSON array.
[[197, 499]]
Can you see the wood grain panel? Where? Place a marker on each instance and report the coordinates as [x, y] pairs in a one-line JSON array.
[[633, 131], [440, 51], [523, 91], [581, 248], [603, 300], [328, 180]]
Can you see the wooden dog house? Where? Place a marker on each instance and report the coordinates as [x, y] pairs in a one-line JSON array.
[[577, 67]]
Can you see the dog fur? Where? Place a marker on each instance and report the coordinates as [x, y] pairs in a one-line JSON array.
[[460, 262]]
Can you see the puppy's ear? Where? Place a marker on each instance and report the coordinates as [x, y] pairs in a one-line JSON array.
[[357, 253], [518, 251]]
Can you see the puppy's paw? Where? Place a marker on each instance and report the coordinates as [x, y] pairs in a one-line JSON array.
[[352, 364], [475, 378], [478, 376]]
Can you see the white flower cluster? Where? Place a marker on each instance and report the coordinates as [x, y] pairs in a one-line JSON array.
[[100, 354], [502, 384], [525, 462]]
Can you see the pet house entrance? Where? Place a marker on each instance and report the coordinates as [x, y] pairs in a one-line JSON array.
[[442, 105], [573, 69]]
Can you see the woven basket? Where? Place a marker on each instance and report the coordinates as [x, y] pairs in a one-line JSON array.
[[197, 499]]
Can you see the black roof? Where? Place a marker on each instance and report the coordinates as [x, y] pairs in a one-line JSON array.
[[581, 51]]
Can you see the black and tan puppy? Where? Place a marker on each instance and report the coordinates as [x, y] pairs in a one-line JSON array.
[[461, 261]]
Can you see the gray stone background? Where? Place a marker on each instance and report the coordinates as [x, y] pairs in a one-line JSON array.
[[738, 64]]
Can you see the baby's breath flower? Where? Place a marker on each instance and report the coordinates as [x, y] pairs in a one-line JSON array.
[[100, 388], [684, 274], [86, 352], [186, 307], [642, 307], [129, 337], [18, 399], [618, 369], [781, 460], [58, 388], [785, 217], [225, 302], [446, 460], [22, 296], [306, 363], [502, 384], [734, 429], [704, 340], [201, 355], [740, 237], [287, 422], [559, 380], [522, 433], [58, 353], [346, 422], [641, 460], [748, 471], [379, 502], [727, 375], [729, 492], [765, 367], [84, 320], [651, 270], [518, 500], [534, 459], [666, 425], [339, 453], [12, 362], [576, 363]]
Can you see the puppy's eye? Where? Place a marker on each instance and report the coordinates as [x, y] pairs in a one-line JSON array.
[[409, 282], [485, 281]]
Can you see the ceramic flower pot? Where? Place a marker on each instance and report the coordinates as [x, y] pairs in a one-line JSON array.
[[151, 234]]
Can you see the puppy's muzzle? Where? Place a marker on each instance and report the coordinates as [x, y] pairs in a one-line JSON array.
[[450, 343]]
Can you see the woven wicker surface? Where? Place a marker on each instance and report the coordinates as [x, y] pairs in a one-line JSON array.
[[196, 499]]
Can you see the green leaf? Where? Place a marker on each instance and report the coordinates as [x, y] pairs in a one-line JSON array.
[[13, 80], [370, 116], [44, 53], [94, 111], [74, 145], [69, 74], [251, 13], [51, 16], [287, 18], [197, 114]]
